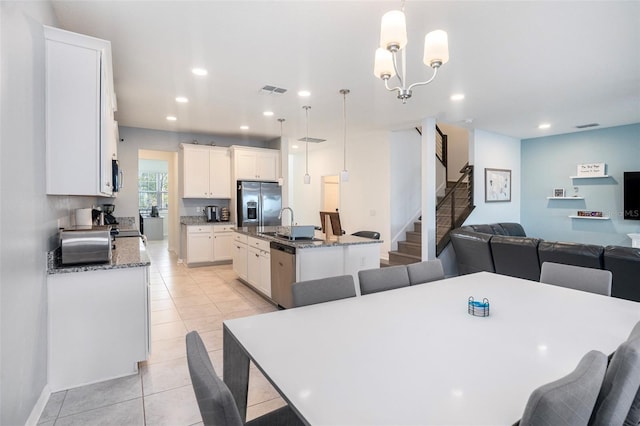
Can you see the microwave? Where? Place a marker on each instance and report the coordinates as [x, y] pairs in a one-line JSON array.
[[116, 176]]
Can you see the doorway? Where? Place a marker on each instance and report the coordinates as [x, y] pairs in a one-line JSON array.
[[330, 193], [157, 195]]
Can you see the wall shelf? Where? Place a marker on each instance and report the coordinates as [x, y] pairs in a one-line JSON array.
[[588, 177], [590, 217], [565, 198]]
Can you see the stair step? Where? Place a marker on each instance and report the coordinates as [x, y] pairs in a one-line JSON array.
[[417, 226], [414, 237], [397, 258], [407, 247]]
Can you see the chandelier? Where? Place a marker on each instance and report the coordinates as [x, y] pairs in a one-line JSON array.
[[393, 40]]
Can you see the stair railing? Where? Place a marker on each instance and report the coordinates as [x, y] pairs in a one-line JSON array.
[[467, 173]]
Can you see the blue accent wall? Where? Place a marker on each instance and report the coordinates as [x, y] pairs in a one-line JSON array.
[[548, 163]]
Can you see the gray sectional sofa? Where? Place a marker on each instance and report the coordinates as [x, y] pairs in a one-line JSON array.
[[504, 248]]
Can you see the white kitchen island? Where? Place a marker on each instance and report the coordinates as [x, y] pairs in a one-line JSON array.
[[317, 258]]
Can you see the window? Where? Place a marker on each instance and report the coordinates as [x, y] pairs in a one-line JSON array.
[[153, 190]]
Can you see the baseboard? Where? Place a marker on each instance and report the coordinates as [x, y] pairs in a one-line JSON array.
[[37, 410]]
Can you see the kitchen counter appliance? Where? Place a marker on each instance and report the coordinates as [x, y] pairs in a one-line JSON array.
[[212, 213], [85, 244], [283, 273]]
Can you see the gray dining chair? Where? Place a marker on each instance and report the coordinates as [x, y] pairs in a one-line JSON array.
[[577, 277], [322, 290], [381, 279], [425, 272], [217, 406], [619, 400], [568, 401]]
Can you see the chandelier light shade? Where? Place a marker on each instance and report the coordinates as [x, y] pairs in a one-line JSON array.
[[393, 31], [393, 40], [384, 64], [436, 48]]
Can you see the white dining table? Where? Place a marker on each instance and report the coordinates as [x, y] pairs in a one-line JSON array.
[[415, 356]]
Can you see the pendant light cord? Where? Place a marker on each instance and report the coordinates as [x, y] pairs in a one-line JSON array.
[[306, 110], [344, 113]]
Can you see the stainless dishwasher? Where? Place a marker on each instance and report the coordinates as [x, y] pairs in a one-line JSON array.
[[283, 273]]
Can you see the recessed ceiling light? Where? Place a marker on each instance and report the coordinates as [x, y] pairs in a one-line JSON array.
[[457, 97], [544, 126], [244, 127], [182, 99], [171, 118], [267, 113], [199, 71], [304, 93], [294, 146]]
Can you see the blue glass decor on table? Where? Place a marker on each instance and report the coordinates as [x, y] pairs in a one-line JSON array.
[[478, 309]]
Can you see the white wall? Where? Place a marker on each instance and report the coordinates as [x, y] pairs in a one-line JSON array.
[[490, 150], [364, 199], [28, 218], [458, 149], [404, 181]]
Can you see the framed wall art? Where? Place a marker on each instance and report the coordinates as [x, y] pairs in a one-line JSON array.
[[497, 185]]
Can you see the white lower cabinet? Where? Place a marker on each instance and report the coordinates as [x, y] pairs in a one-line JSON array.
[[98, 325], [259, 270], [252, 261], [208, 243], [239, 254], [199, 244]]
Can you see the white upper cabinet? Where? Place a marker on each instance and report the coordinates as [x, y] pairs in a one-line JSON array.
[[206, 171], [80, 130], [255, 163]]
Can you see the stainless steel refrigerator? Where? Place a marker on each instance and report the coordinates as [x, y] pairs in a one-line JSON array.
[[259, 203]]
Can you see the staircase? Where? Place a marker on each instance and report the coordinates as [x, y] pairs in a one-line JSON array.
[[451, 212]]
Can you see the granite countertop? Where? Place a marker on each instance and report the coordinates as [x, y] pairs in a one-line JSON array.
[[344, 240], [129, 253]]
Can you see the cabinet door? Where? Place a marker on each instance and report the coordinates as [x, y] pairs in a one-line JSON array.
[[253, 267], [222, 245], [195, 173], [245, 165], [72, 119], [240, 259], [267, 165], [265, 272], [220, 174], [199, 247]]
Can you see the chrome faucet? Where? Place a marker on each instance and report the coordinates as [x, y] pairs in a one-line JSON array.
[[283, 209]]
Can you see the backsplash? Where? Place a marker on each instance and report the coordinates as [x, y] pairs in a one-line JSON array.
[[126, 222]]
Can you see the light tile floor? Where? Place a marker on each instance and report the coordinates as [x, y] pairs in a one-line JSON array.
[[182, 299]]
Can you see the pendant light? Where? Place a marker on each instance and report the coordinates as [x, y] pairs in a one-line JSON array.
[[344, 174], [281, 179], [307, 177]]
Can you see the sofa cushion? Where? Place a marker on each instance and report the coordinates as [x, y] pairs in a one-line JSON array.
[[577, 254], [473, 251], [513, 229], [624, 264], [516, 256]]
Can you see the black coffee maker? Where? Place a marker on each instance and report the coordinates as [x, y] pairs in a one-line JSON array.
[[109, 219]]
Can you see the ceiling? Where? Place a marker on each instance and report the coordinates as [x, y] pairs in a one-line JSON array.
[[517, 63]]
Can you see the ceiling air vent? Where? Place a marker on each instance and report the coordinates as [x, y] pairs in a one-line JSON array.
[[273, 89], [311, 140], [586, 126]]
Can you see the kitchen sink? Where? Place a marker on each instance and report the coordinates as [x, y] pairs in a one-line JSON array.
[[287, 238]]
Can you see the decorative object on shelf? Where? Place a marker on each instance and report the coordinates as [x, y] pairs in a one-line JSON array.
[[558, 192], [307, 177], [591, 170], [497, 185], [344, 174], [478, 309], [393, 40], [584, 213], [575, 191]]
